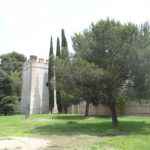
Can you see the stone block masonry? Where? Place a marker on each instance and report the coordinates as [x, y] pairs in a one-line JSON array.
[[35, 97]]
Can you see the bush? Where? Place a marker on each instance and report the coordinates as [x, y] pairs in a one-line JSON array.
[[8, 105]]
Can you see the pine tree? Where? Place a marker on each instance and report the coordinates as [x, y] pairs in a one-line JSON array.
[[51, 76], [64, 45]]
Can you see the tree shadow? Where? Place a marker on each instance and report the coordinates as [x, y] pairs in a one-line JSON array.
[[69, 117], [94, 128]]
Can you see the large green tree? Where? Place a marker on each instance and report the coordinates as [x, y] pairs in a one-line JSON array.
[[8, 103], [10, 81], [109, 45], [85, 82], [12, 64]]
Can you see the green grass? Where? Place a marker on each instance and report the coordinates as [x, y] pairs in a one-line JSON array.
[[132, 132]]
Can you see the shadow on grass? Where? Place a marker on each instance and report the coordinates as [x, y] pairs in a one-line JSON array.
[[94, 128], [69, 117]]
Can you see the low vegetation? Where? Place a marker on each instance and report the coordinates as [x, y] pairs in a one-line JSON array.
[[131, 133]]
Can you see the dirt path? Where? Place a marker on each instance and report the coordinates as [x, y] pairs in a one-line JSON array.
[[74, 142], [23, 143], [55, 142]]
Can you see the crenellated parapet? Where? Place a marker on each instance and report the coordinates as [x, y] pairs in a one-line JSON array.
[[35, 61]]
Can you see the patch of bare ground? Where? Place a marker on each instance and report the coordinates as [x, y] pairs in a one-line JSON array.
[[54, 142], [23, 143], [74, 142]]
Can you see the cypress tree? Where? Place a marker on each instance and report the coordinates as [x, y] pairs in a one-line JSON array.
[[64, 56], [58, 55], [64, 45], [51, 76]]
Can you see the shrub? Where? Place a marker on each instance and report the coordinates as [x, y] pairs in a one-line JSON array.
[[8, 105]]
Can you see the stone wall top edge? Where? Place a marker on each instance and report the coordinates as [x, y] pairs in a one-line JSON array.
[[35, 65], [35, 59]]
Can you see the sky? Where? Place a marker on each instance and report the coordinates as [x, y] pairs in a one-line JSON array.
[[26, 25]]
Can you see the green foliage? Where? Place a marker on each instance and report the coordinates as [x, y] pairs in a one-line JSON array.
[[141, 75], [84, 78], [16, 83], [61, 54], [64, 45], [58, 53], [5, 84], [10, 81], [112, 46], [12, 65], [51, 76], [8, 105], [58, 94], [120, 51], [12, 62], [120, 103], [108, 47]]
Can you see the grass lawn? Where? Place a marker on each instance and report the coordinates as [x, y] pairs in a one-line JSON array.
[[77, 132]]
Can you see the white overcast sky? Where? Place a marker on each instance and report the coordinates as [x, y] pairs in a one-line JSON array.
[[26, 25]]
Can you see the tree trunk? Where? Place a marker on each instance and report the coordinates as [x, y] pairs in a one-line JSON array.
[[87, 109], [59, 103], [114, 114], [66, 109], [51, 110]]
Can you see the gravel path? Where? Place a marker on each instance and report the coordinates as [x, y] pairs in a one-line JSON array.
[[23, 143]]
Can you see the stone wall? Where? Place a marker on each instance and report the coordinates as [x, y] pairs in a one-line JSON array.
[[80, 109], [26, 88], [131, 108], [39, 89], [137, 108]]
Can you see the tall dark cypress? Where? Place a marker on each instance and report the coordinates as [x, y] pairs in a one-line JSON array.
[[64, 56], [64, 45], [50, 76], [58, 55]]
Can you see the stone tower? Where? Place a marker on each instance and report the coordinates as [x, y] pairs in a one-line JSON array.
[[35, 98]]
